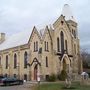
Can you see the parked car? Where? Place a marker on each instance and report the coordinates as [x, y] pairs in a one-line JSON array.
[[1, 77], [10, 81]]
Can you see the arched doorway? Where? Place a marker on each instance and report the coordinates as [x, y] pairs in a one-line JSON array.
[[35, 72], [66, 64], [35, 64]]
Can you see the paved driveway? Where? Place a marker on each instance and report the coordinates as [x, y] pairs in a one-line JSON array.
[[17, 87]]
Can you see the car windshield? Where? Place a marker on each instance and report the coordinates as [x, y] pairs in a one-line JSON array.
[[9, 78], [12, 78], [4, 78], [1, 77]]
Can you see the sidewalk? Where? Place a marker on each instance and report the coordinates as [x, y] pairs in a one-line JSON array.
[[42, 82]]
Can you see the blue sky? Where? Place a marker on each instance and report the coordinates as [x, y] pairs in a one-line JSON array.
[[19, 15]]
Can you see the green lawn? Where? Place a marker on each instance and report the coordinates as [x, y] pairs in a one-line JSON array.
[[59, 86]]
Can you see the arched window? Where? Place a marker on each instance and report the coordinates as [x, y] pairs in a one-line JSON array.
[[66, 47], [15, 61], [25, 59], [62, 22], [74, 33], [6, 61], [62, 42], [58, 45], [0, 60], [75, 48], [45, 45], [36, 45], [46, 61]]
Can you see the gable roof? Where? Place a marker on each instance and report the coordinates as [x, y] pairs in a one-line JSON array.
[[15, 40], [41, 32], [22, 38], [37, 31], [19, 39]]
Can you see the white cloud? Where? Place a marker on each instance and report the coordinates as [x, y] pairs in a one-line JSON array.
[[17, 15]]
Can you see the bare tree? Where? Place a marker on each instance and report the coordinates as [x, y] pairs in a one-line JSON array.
[[85, 56]]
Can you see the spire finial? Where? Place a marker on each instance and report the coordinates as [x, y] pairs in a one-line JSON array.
[[66, 11]]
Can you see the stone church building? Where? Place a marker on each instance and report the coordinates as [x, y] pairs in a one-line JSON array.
[[34, 53]]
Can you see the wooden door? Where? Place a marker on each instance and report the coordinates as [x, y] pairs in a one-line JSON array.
[[35, 72]]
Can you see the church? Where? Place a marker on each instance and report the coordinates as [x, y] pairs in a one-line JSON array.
[[32, 53]]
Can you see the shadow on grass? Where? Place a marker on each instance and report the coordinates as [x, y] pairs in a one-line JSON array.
[[9, 85], [68, 88]]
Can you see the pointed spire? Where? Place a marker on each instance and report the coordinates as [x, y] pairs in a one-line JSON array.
[[66, 11], [34, 28]]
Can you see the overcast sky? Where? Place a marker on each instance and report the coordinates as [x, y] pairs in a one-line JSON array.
[[19, 15]]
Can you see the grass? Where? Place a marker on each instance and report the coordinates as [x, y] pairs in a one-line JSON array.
[[60, 86]]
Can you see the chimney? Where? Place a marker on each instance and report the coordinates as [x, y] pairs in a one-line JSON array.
[[2, 37]]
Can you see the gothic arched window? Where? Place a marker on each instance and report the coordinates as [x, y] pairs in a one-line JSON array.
[[58, 45], [6, 61], [66, 46], [0, 60], [36, 45], [25, 59], [74, 33], [62, 42], [75, 48], [45, 45], [46, 61], [15, 61]]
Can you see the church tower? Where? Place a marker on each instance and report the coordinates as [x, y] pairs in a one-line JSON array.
[[72, 24], [66, 42]]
